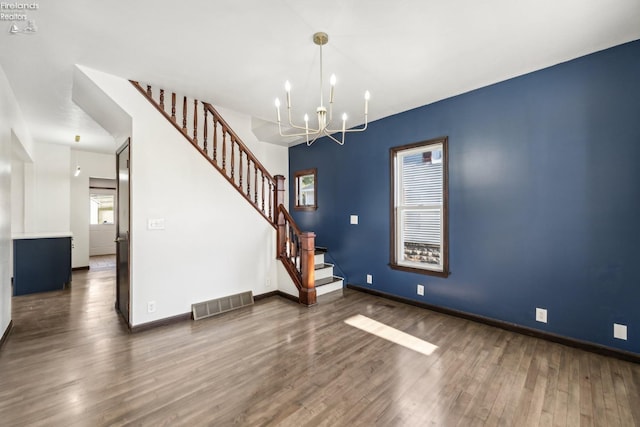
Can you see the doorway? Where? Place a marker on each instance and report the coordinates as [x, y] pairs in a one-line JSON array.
[[102, 223], [123, 261]]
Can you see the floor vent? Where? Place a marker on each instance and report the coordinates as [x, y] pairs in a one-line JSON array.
[[221, 305]]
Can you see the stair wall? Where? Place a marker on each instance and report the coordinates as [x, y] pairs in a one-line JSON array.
[[214, 243]]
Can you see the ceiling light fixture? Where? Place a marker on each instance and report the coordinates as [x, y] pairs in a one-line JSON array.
[[323, 126], [77, 172]]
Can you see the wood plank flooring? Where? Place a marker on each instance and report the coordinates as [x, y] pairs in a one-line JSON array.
[[70, 362]]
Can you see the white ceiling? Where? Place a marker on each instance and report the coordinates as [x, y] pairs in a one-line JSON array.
[[237, 54]]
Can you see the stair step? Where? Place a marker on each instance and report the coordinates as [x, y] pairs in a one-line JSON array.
[[322, 271], [329, 284], [319, 252]]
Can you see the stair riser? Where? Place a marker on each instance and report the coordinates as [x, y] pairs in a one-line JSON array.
[[318, 259], [325, 289], [323, 273]]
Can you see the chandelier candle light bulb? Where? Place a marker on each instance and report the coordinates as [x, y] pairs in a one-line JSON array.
[[323, 124], [367, 95], [332, 81], [278, 108], [287, 88]]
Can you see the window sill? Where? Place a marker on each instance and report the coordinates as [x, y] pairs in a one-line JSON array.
[[419, 270], [305, 208]]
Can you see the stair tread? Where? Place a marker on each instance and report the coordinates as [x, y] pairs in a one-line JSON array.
[[323, 265], [320, 250], [327, 281]]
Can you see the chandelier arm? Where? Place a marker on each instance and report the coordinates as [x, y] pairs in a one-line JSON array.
[[314, 139], [334, 139], [291, 124], [363, 128], [305, 133], [299, 133]]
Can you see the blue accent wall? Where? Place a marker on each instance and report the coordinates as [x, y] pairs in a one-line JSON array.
[[544, 198]]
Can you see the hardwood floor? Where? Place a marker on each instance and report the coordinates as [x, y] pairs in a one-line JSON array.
[[70, 362], [102, 262]]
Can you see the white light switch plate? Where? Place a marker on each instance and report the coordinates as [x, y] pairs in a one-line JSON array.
[[155, 224], [620, 331], [354, 219]]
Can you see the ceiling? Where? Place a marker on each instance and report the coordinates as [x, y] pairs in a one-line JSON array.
[[237, 54]]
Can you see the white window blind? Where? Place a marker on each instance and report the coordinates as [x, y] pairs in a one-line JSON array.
[[419, 207]]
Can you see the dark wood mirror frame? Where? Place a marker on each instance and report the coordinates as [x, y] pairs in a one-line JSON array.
[[299, 206]]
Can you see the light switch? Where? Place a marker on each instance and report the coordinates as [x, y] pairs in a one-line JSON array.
[[354, 219], [155, 224]]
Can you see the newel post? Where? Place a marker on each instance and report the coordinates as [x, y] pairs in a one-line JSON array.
[[307, 267]]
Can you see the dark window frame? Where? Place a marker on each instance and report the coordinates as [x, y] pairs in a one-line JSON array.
[[393, 153], [297, 175]]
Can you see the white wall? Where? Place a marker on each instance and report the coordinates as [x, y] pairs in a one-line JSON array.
[[93, 165], [214, 243], [274, 158], [102, 239], [5, 214], [52, 178], [13, 130], [17, 196]]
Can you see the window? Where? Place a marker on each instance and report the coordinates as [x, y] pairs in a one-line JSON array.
[[102, 208], [419, 229], [306, 183]]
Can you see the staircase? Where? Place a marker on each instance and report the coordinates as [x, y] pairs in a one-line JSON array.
[[325, 281], [209, 133]]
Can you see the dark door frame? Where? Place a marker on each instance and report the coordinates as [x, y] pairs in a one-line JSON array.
[[120, 240]]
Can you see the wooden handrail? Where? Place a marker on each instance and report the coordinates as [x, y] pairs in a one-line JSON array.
[[288, 218], [237, 139], [222, 158], [296, 249]]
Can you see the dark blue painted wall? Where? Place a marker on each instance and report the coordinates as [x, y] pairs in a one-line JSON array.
[[544, 197]]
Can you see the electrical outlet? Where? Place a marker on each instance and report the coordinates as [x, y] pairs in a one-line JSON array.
[[151, 307], [268, 282], [620, 331], [541, 315], [420, 290], [369, 279]]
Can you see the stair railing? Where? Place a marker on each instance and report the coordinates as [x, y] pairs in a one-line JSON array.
[[296, 250], [210, 134]]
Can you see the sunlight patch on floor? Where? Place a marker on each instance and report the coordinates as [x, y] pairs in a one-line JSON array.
[[391, 334]]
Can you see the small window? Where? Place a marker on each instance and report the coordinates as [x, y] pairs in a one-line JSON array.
[[306, 182], [102, 209], [419, 229]]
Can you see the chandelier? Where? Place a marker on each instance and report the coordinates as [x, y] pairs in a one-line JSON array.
[[324, 116]]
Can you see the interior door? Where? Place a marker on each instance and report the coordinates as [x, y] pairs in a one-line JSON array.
[[122, 234]]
